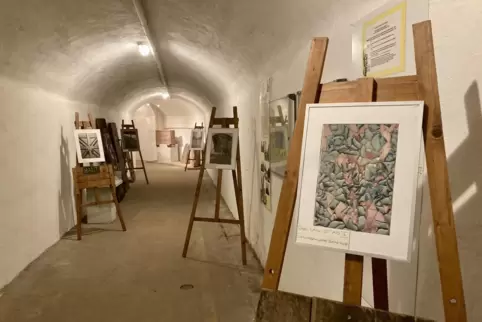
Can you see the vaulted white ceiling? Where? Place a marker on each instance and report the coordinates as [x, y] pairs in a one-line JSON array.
[[210, 50]]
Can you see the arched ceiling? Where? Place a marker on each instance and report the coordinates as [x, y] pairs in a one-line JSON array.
[[86, 50]]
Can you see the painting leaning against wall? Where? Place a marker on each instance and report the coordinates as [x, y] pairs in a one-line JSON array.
[[356, 177]]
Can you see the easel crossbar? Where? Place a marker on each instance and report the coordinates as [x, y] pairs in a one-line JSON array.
[[219, 220]]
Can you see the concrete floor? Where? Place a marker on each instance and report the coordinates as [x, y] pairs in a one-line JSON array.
[[136, 275]]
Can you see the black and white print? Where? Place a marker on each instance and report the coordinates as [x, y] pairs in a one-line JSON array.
[[222, 148], [89, 146]]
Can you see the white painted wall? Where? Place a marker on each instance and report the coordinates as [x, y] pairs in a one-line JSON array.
[[36, 204], [146, 124], [413, 289]]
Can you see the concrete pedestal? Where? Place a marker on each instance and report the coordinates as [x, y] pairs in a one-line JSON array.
[[167, 154]]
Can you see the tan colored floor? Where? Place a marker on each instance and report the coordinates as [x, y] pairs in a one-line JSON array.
[[136, 276]]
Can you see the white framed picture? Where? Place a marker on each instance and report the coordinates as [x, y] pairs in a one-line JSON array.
[[89, 146], [197, 139], [221, 148], [359, 177]]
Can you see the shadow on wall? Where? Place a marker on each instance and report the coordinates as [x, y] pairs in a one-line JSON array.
[[66, 215], [465, 175]]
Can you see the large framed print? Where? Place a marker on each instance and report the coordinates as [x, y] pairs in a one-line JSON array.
[[359, 177], [221, 148], [89, 146]]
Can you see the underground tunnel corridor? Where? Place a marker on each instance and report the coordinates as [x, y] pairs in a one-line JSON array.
[[139, 275], [165, 64]]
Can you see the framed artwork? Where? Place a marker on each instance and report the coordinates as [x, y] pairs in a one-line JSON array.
[[221, 149], [278, 142], [359, 177], [109, 150], [282, 114], [130, 140], [165, 137], [197, 137], [89, 146]]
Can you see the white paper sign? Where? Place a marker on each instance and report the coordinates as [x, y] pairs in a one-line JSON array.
[[384, 42], [321, 236]]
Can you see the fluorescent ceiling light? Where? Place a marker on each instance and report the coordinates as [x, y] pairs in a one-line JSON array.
[[144, 50]]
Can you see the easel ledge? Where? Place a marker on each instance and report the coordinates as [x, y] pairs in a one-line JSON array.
[[422, 86]]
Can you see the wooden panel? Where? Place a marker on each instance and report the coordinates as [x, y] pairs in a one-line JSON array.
[[284, 214], [335, 311], [94, 184], [339, 92], [403, 88], [224, 121], [218, 194], [442, 212], [281, 306]]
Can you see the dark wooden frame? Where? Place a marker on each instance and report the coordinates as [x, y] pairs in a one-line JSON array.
[[128, 156]]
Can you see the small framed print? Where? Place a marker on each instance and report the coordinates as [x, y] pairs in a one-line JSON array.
[[197, 138], [89, 146], [221, 148]]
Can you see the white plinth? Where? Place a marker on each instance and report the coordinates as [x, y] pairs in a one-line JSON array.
[[101, 214], [166, 154]]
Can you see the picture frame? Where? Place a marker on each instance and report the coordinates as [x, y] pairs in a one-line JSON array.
[[197, 139], [363, 198], [130, 140], [89, 145], [221, 148], [282, 115]]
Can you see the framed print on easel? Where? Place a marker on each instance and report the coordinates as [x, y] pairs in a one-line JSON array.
[[89, 145], [221, 148], [366, 160]]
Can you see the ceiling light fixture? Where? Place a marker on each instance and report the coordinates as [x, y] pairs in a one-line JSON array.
[[144, 49]]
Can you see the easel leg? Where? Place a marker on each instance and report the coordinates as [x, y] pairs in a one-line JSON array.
[[380, 284], [78, 207], [218, 194], [187, 160], [193, 211], [143, 166], [352, 290], [241, 217], [117, 208]]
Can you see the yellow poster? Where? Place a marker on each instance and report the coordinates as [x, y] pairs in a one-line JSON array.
[[384, 42]]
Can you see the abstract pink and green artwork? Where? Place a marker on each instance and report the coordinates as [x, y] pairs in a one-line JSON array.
[[356, 177]]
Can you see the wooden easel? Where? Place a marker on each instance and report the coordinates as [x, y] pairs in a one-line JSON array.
[[197, 154], [237, 181], [95, 177], [422, 86], [129, 157]]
